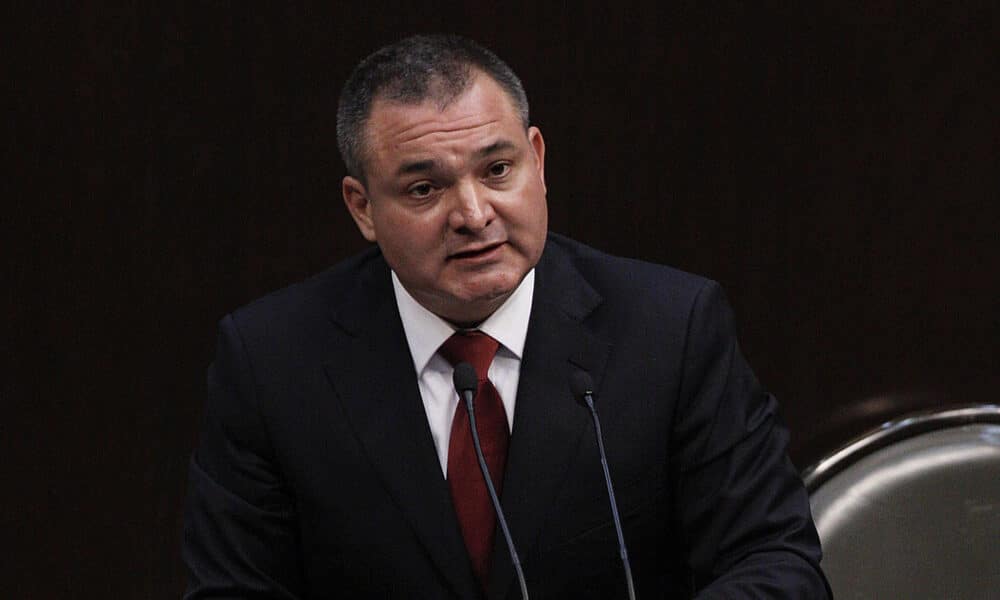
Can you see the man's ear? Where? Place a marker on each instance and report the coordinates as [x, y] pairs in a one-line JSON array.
[[359, 205], [538, 146]]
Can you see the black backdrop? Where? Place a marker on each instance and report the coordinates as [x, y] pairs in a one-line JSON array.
[[835, 168]]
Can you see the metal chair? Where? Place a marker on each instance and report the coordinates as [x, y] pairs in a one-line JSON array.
[[912, 509]]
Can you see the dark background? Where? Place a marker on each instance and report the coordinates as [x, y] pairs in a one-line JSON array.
[[834, 167]]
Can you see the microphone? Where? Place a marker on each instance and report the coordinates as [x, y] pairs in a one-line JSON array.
[[467, 384], [583, 387]]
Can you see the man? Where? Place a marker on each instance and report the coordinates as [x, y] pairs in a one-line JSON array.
[[336, 459]]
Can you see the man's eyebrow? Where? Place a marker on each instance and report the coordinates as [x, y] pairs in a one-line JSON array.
[[425, 166], [495, 147], [417, 166]]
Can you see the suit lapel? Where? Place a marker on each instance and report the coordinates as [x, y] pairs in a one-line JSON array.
[[548, 420], [375, 381]]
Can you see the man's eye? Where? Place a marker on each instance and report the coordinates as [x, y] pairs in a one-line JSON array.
[[499, 169], [421, 190]]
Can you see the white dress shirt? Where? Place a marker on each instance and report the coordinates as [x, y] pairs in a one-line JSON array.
[[425, 332]]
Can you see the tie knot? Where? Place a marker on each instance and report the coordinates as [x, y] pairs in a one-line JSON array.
[[473, 347]]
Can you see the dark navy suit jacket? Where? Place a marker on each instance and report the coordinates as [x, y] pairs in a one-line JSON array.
[[316, 477]]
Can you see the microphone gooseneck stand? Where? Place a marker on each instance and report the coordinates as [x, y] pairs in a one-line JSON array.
[[583, 387], [467, 384]]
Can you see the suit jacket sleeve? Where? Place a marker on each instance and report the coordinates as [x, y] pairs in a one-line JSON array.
[[742, 508], [239, 528]]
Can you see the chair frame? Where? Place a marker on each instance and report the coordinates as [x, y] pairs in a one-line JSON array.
[[893, 431]]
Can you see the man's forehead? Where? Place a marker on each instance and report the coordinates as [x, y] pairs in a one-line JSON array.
[[479, 119], [403, 123]]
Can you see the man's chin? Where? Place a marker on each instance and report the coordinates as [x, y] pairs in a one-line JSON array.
[[472, 307]]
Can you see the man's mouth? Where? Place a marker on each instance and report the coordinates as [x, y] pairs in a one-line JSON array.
[[479, 252]]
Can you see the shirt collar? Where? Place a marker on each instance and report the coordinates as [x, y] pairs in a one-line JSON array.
[[425, 331]]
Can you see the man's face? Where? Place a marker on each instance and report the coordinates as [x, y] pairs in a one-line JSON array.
[[455, 199]]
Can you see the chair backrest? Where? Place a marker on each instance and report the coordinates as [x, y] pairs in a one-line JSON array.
[[912, 509]]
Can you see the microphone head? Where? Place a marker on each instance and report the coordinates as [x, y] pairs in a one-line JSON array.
[[465, 378], [581, 384]]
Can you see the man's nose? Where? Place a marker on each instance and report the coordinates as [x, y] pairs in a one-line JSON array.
[[473, 209]]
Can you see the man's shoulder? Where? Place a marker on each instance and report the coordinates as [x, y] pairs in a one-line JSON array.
[[304, 301], [622, 277]]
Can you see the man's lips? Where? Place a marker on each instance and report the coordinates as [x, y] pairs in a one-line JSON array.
[[477, 252]]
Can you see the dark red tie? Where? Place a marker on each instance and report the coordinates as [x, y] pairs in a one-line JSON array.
[[468, 490]]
